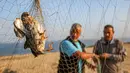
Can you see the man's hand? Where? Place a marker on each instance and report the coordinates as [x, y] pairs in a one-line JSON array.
[[96, 56], [93, 67], [105, 55], [90, 66]]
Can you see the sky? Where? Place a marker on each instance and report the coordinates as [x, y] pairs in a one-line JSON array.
[[59, 15]]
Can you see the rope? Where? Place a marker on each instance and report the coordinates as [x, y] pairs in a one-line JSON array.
[[98, 65]]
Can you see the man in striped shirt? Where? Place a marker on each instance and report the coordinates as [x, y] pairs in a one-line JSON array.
[[110, 50]]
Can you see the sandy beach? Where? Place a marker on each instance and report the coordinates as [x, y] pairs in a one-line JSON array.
[[46, 63]]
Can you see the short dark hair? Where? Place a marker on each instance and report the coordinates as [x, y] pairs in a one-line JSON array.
[[109, 26]]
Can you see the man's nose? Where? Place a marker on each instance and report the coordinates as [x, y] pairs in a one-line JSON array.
[[107, 34], [74, 34]]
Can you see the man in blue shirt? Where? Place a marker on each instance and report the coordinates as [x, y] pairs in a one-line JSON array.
[[72, 52]]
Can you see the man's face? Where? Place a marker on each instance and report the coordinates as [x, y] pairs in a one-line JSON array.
[[108, 33], [76, 34]]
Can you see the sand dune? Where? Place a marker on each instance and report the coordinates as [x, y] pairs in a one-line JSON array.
[[46, 63]]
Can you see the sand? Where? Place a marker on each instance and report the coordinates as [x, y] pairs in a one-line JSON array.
[[46, 63]]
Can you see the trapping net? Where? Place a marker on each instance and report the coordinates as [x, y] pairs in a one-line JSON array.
[[57, 16], [36, 12]]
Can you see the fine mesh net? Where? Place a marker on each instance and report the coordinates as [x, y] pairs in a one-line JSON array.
[[36, 12], [30, 27], [56, 17]]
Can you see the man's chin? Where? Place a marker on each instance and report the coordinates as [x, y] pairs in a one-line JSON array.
[[107, 39]]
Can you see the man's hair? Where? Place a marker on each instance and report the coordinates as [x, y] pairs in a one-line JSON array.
[[109, 26], [74, 27]]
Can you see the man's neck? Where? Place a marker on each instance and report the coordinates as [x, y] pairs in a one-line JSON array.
[[108, 41], [75, 40]]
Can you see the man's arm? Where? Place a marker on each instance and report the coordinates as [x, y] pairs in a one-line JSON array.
[[119, 56], [71, 50], [83, 55]]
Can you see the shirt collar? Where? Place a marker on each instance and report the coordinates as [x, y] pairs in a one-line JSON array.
[[103, 41]]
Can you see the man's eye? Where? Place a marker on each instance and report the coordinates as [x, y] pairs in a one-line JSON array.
[[108, 32]]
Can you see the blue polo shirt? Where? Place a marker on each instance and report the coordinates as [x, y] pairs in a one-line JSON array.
[[68, 48]]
